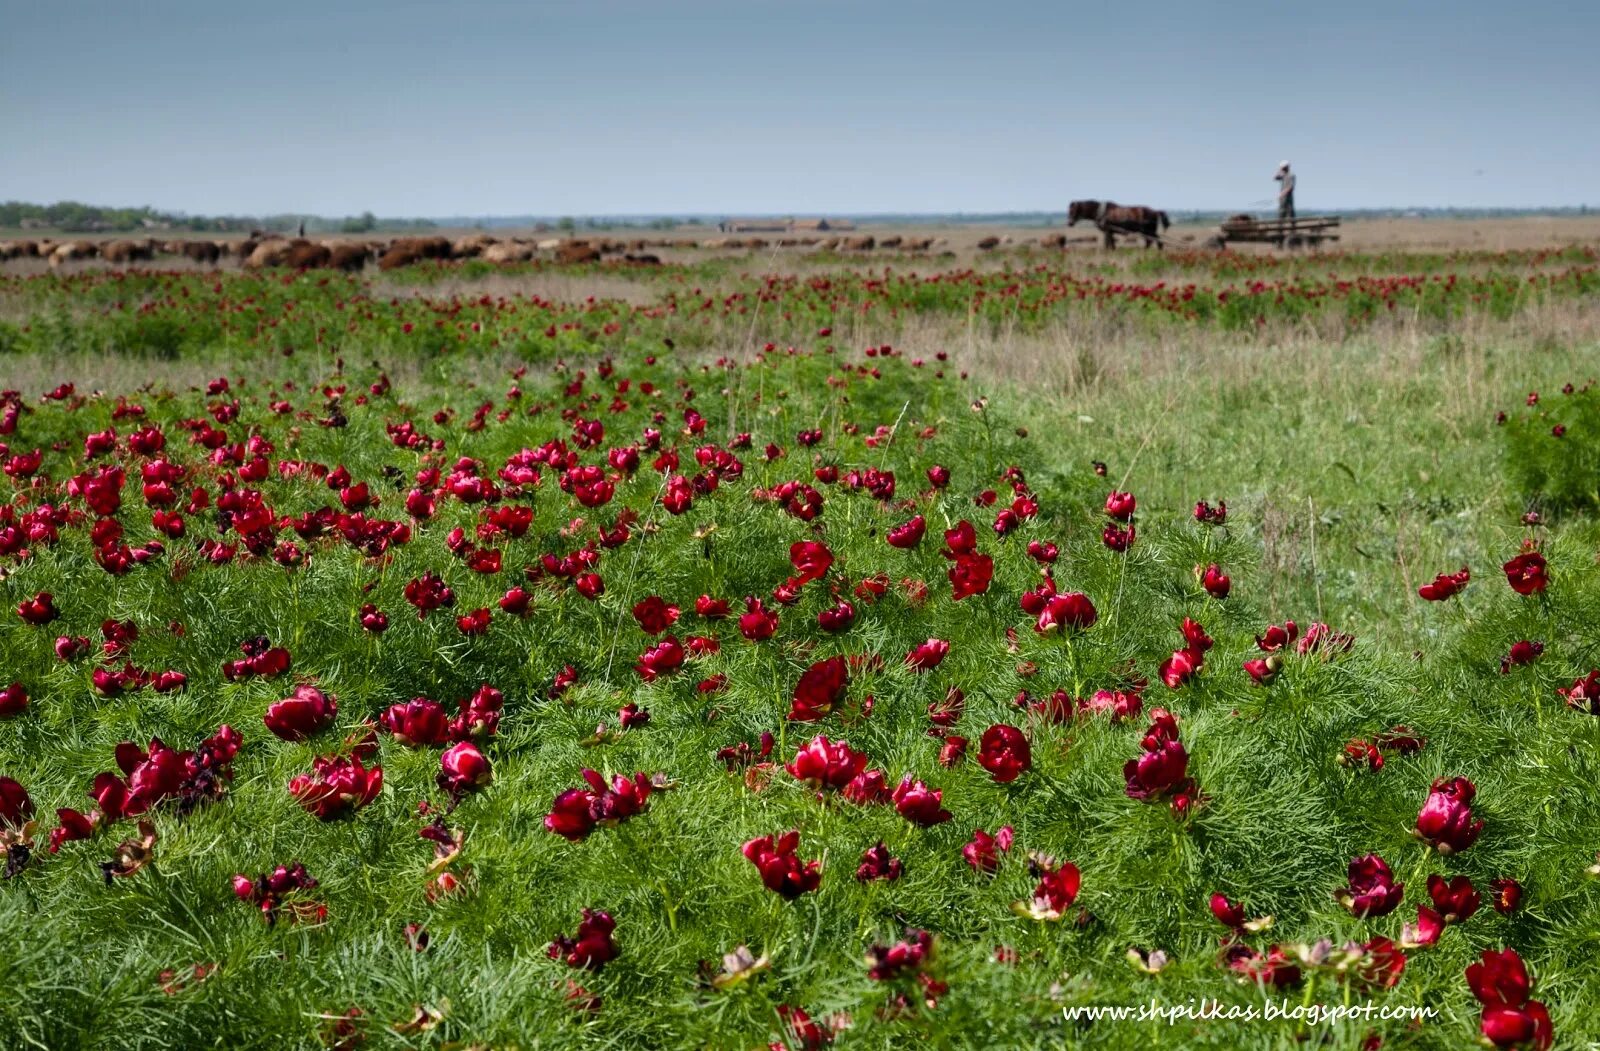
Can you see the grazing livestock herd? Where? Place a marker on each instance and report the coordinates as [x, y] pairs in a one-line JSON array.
[[263, 250]]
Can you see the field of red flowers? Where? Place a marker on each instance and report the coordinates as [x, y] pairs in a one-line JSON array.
[[492, 671]]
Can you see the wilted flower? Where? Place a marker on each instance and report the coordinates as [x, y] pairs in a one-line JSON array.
[[983, 852], [876, 863]]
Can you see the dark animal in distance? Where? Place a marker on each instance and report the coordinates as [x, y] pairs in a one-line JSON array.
[[1112, 218]]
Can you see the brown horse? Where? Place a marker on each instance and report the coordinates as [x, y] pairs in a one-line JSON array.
[[1112, 219]]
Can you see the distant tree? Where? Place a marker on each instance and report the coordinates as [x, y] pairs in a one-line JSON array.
[[566, 224], [364, 223]]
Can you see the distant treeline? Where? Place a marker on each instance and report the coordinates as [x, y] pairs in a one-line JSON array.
[[77, 217]]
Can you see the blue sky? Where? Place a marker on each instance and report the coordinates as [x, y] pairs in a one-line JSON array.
[[648, 106]]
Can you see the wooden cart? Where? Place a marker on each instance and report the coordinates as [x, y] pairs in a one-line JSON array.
[[1305, 231]]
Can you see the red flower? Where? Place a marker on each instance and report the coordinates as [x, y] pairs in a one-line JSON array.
[[1118, 538], [919, 804], [1445, 585], [306, 711], [337, 785], [1264, 669], [1004, 752], [417, 723], [971, 575], [1069, 612], [428, 592], [1216, 583], [592, 948], [15, 805], [40, 609], [1372, 891], [1507, 894], [654, 615], [1455, 900], [782, 871], [13, 699], [577, 811], [1527, 573], [1163, 767], [1584, 694], [810, 560], [474, 623], [939, 476], [1510, 1019], [885, 963], [827, 764], [907, 534], [867, 788], [876, 863], [819, 690], [838, 617], [1120, 505], [711, 608], [589, 585], [983, 852], [1054, 895], [1445, 821], [928, 654], [757, 624], [664, 658], [962, 540], [1179, 668], [463, 768], [1276, 638], [1523, 652]]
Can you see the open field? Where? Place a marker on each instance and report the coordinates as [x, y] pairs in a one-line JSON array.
[[488, 527]]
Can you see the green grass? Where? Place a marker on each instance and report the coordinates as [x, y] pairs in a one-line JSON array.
[[1353, 472]]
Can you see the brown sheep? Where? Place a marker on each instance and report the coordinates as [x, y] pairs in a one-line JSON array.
[[67, 251], [920, 244], [860, 244], [471, 246], [126, 251], [642, 259], [246, 248], [399, 254], [507, 252], [988, 244], [890, 242], [274, 252]]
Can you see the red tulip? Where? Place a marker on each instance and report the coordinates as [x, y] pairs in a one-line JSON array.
[[1003, 751], [1372, 891], [463, 768], [306, 711], [782, 871], [919, 804], [1445, 821], [592, 947], [337, 785], [825, 764], [819, 690]]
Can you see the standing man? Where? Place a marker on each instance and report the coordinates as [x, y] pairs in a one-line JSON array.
[[1285, 192]]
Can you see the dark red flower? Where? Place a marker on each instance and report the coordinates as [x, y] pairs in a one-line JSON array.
[[1507, 894], [428, 592], [1372, 891], [1510, 1019], [819, 690], [1162, 768], [38, 610], [654, 614], [919, 804], [757, 623], [1584, 694], [1523, 652], [336, 785], [1276, 638], [1455, 900], [592, 947], [838, 617], [1445, 585], [983, 852], [868, 787], [1004, 752], [782, 870], [810, 560], [1264, 669], [463, 768], [15, 805], [1527, 573], [13, 700], [1445, 821], [929, 654], [970, 575], [1216, 583], [306, 711], [876, 863], [417, 723], [1071, 611], [1118, 538], [827, 764], [1057, 890], [1179, 668], [1120, 505], [664, 658], [885, 963], [711, 608]]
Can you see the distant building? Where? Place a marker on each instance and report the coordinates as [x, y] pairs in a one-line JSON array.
[[782, 226]]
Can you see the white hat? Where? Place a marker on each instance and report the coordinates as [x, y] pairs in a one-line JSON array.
[[1284, 166]]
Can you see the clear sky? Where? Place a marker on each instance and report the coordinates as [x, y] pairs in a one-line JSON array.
[[585, 107]]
